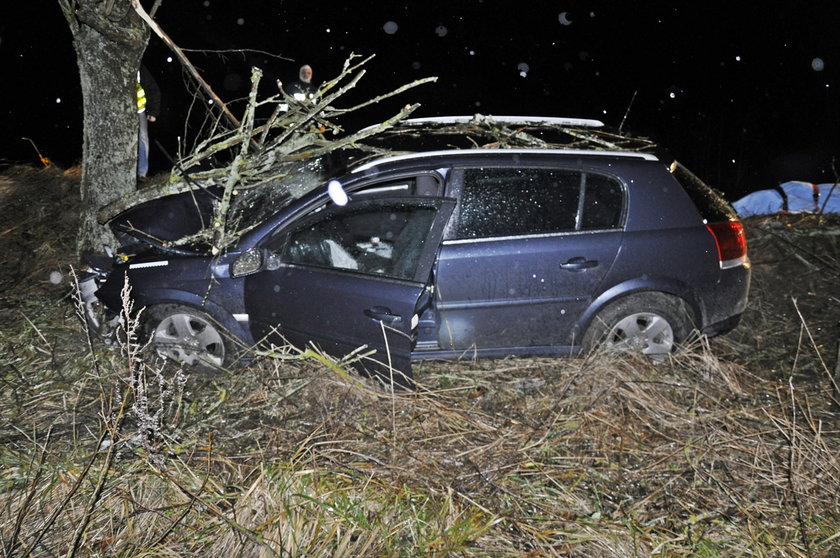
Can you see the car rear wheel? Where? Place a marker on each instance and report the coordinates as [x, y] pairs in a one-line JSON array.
[[187, 336], [648, 323]]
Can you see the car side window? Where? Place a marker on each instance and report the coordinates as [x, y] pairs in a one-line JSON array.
[[603, 202], [525, 201], [375, 237], [517, 201]]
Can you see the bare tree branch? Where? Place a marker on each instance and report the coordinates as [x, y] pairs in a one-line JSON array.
[[155, 8], [294, 133], [234, 122], [234, 177]]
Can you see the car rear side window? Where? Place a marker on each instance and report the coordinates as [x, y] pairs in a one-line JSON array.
[[603, 202], [526, 201]]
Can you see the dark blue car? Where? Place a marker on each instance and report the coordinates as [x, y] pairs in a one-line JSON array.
[[444, 254]]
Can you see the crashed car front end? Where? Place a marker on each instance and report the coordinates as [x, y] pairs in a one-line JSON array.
[[169, 255], [203, 283]]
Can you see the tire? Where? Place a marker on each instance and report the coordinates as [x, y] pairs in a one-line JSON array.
[[649, 323], [187, 336]]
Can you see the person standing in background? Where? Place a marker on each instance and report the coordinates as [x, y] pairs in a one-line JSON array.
[[304, 88], [148, 109]]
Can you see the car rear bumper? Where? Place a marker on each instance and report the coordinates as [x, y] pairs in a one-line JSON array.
[[726, 301]]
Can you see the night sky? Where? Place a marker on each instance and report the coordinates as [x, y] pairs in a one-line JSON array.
[[745, 95]]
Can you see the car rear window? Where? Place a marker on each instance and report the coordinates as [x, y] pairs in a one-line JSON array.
[[710, 203], [524, 201]]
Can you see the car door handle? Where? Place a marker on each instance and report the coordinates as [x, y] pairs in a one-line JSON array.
[[383, 314], [578, 264]]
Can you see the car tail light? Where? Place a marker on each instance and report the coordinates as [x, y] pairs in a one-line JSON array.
[[731, 243]]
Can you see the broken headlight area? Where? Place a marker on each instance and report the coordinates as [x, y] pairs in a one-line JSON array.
[[99, 320]]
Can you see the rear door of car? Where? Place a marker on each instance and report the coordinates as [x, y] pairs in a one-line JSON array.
[[527, 250], [352, 279]]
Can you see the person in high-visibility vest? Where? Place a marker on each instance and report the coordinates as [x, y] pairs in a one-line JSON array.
[[148, 109]]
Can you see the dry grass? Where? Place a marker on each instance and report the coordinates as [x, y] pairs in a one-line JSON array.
[[604, 456], [715, 452]]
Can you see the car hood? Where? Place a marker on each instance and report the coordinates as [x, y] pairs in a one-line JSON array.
[[159, 223], [166, 224]]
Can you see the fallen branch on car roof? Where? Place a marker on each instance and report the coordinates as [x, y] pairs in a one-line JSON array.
[[295, 132]]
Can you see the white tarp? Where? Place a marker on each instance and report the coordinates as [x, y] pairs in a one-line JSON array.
[[800, 199]]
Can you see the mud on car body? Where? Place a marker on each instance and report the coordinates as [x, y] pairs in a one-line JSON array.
[[446, 253]]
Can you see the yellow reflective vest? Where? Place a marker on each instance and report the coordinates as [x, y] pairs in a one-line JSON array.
[[141, 96]]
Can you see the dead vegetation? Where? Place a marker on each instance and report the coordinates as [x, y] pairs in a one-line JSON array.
[[729, 448], [792, 325]]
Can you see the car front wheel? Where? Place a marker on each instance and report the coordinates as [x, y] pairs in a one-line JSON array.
[[648, 323], [187, 336]]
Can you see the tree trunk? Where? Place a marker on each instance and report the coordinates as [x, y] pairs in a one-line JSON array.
[[109, 38]]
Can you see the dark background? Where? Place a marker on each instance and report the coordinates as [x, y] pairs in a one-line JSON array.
[[744, 93]]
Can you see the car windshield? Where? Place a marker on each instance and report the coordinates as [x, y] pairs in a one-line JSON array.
[[257, 204]]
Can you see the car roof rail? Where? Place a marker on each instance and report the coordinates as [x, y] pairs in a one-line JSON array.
[[529, 120], [479, 152]]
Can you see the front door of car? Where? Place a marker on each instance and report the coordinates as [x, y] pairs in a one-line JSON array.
[[351, 280]]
